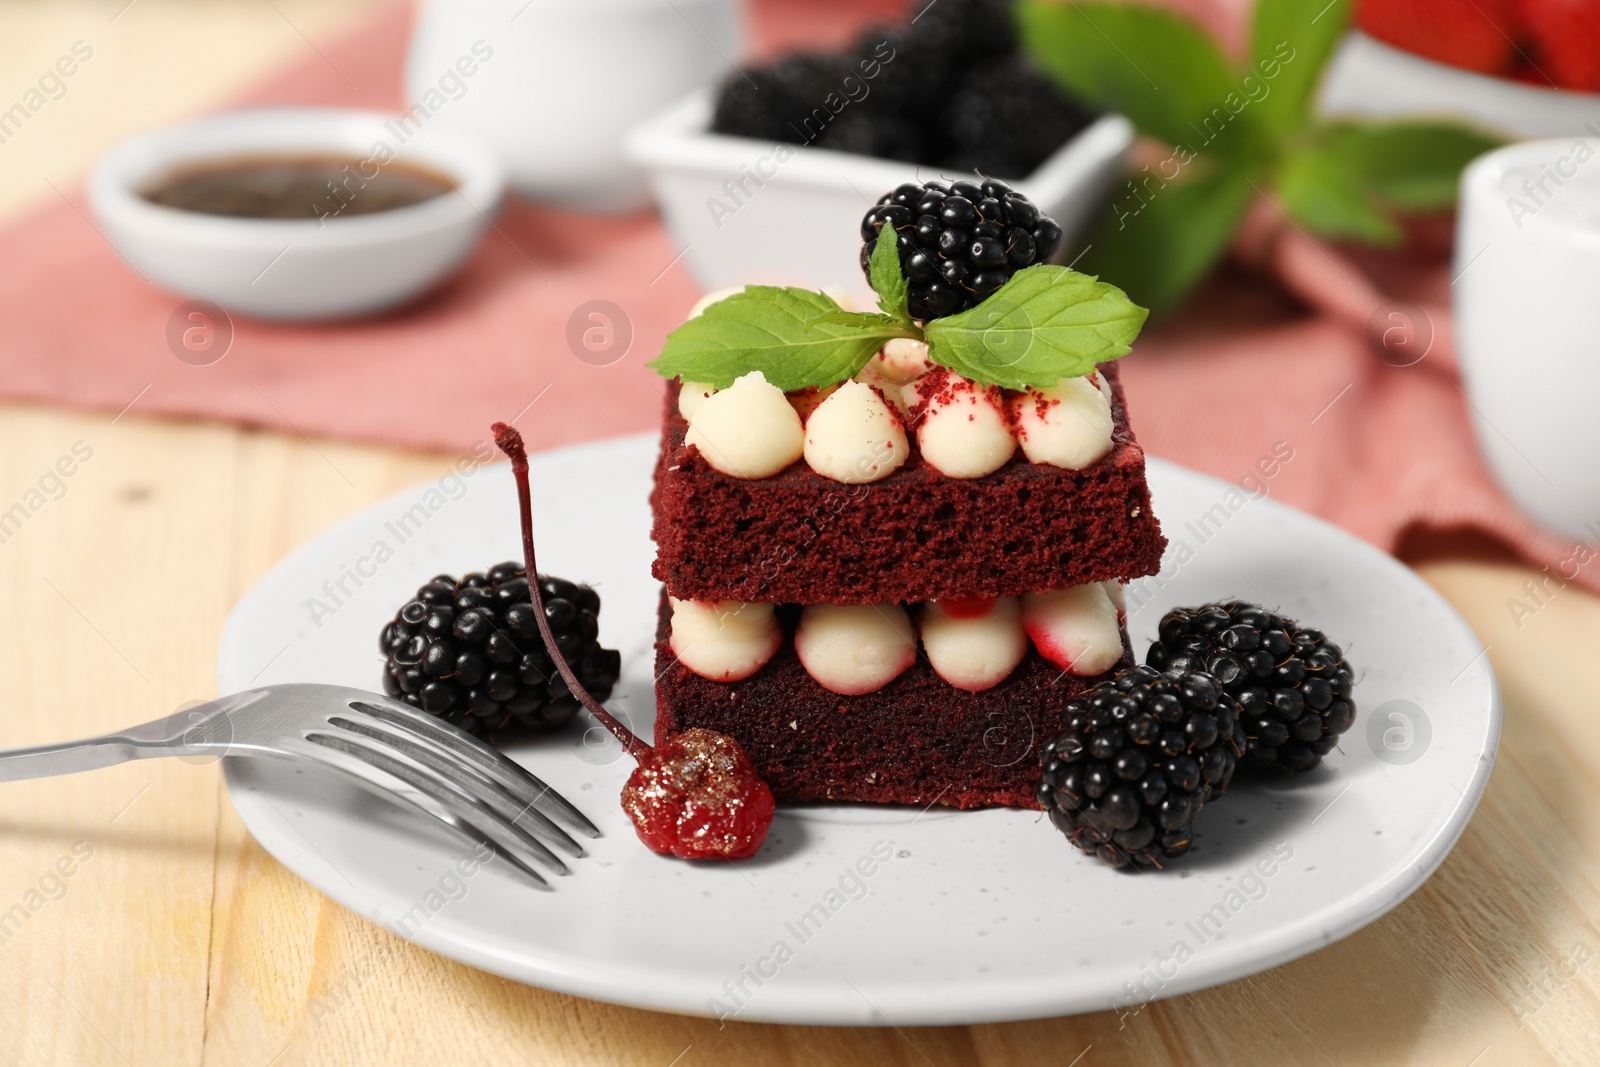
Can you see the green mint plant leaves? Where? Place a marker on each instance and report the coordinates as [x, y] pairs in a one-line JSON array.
[[1045, 324], [1292, 39], [886, 276], [794, 337], [1320, 189], [1235, 134], [1160, 249], [1411, 165], [1162, 72]]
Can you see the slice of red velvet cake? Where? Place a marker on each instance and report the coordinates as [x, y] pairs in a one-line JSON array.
[[893, 545]]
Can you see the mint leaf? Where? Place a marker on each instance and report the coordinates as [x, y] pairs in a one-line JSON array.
[[1161, 249], [1411, 165], [1290, 42], [1347, 179], [1326, 196], [795, 337], [1045, 324], [1161, 70], [887, 277]]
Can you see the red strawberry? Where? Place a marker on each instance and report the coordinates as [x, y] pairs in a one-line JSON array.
[[1566, 41], [1473, 34]]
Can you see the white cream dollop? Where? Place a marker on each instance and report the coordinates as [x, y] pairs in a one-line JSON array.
[[1067, 426], [964, 433], [1119, 599], [974, 644], [723, 640], [853, 437], [748, 430], [855, 649], [805, 401], [902, 360], [691, 395], [893, 371], [1076, 629], [893, 393]]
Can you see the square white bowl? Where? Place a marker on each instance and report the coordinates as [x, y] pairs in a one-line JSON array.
[[749, 212]]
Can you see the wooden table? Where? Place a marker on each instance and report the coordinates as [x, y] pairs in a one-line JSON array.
[[176, 940]]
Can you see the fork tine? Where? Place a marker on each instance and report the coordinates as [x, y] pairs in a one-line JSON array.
[[403, 793], [515, 778], [447, 794], [488, 790]]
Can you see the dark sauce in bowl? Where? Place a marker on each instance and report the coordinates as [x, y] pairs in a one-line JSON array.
[[297, 187]]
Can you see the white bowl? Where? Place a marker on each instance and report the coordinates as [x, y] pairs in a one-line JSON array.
[[291, 268], [1369, 78], [797, 221]]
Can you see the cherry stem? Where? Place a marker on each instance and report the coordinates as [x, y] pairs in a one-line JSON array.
[[510, 442]]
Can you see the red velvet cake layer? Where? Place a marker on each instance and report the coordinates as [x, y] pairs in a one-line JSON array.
[[917, 535], [918, 740]]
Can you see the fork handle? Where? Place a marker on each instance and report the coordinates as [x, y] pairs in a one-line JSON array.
[[70, 757], [163, 737], [204, 730]]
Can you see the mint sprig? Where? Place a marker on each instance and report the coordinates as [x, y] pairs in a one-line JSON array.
[[887, 277], [1234, 132], [794, 337], [1045, 324]]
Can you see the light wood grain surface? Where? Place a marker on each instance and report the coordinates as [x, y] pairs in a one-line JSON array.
[[158, 933]]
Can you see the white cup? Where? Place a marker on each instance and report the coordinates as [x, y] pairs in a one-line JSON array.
[[556, 84], [1527, 320]]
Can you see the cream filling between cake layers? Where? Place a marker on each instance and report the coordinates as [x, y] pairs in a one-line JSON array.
[[725, 640], [855, 649], [972, 643]]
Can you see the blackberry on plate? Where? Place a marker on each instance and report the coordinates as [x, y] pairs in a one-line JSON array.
[[958, 241], [1136, 759], [469, 651], [1292, 684]]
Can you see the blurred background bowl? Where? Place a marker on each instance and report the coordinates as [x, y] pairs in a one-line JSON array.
[[303, 269], [1369, 78], [743, 215]]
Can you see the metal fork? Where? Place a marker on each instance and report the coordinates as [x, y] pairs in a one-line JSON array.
[[381, 744]]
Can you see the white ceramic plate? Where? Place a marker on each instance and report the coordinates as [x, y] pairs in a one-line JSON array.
[[976, 917]]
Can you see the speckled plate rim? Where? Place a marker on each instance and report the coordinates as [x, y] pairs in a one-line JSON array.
[[260, 624]]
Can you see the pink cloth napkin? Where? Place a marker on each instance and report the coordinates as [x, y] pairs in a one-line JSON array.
[[1246, 382]]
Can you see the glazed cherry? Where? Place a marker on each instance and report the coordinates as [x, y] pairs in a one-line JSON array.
[[697, 796]]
